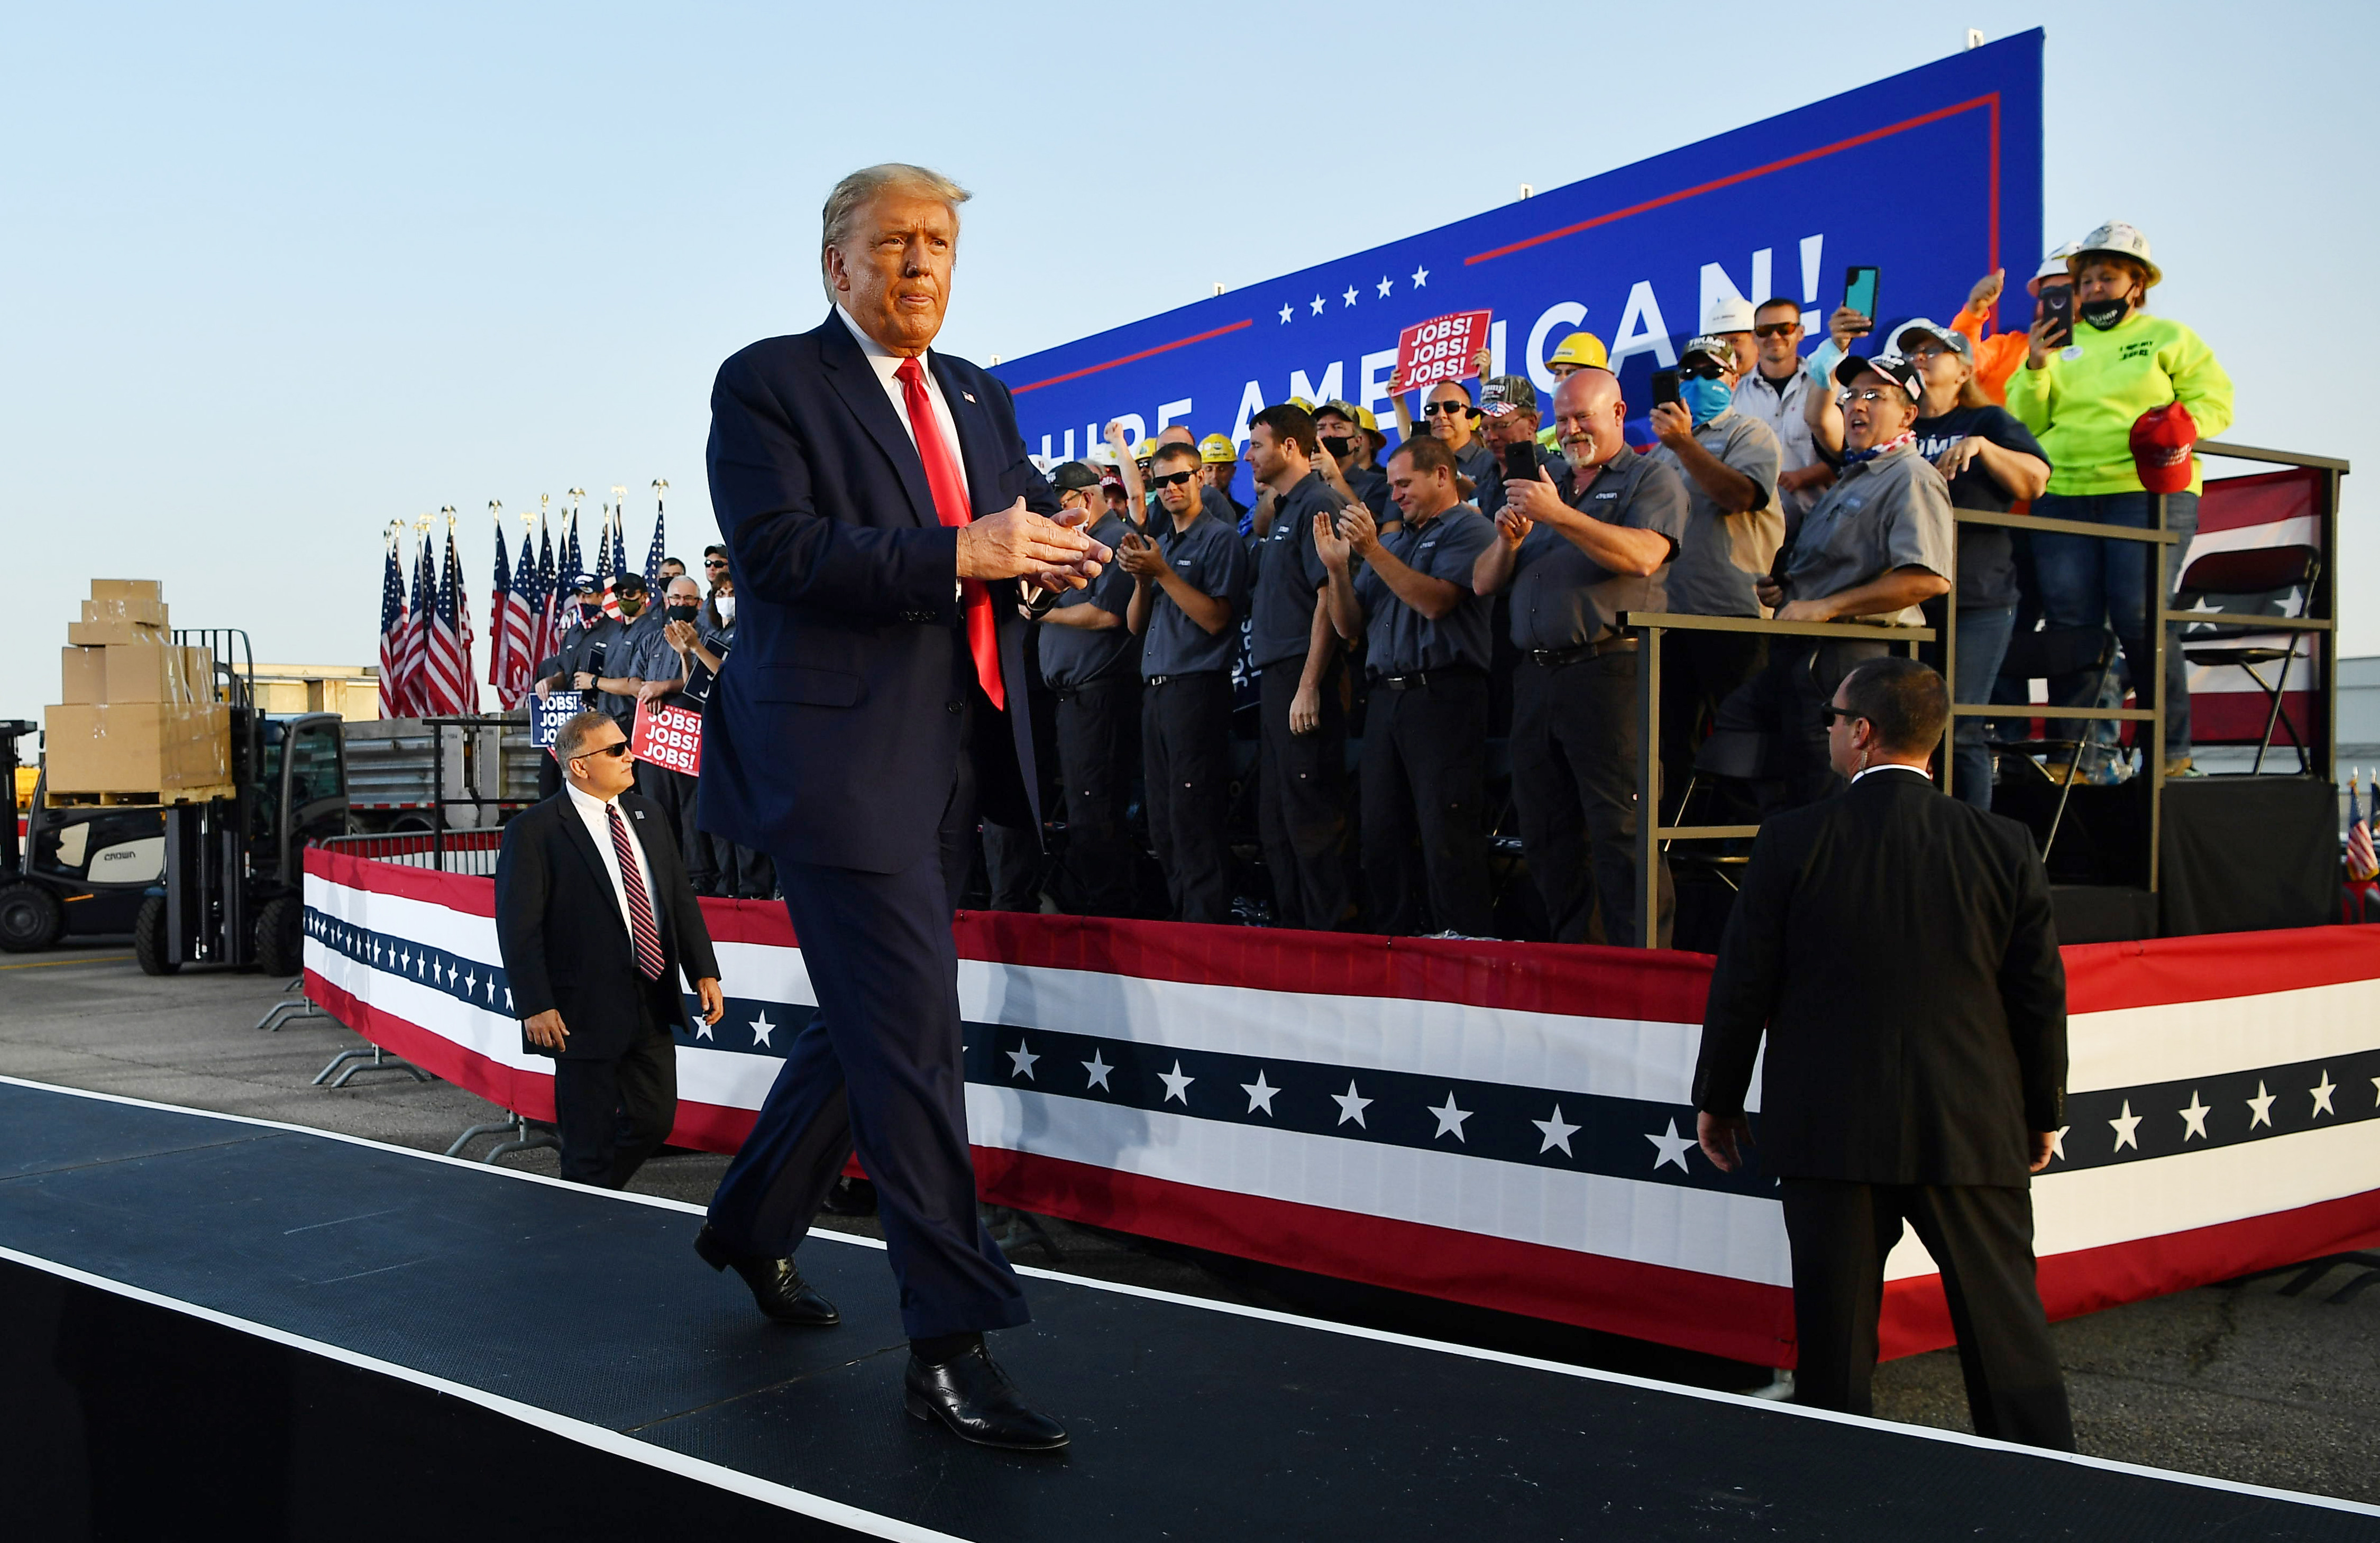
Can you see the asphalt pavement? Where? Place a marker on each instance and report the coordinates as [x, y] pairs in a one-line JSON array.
[[2239, 1382]]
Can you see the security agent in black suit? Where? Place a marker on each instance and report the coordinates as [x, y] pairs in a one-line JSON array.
[[1898, 948], [595, 933], [882, 512]]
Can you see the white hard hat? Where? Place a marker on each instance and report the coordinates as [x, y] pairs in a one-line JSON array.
[[2052, 266], [2118, 240], [1727, 315]]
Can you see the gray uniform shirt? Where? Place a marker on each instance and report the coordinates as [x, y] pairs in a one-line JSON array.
[[1208, 555], [1562, 598], [1892, 511], [1073, 656], [1723, 554], [1400, 640], [1289, 573], [631, 655]]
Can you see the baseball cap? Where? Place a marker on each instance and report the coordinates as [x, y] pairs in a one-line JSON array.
[[1957, 342], [1113, 479], [629, 583], [1071, 476], [1500, 395], [1584, 350], [1719, 350], [1729, 315], [2161, 442], [1892, 367], [582, 582]]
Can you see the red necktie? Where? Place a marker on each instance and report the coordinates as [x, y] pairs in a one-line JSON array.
[[640, 910], [951, 508]]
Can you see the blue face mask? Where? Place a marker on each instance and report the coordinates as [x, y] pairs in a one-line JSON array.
[[1705, 399]]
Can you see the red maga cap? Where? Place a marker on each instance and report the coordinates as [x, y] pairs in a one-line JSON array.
[[2161, 442]]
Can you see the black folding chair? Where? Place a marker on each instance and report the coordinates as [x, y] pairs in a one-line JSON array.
[[2252, 577], [2044, 655]]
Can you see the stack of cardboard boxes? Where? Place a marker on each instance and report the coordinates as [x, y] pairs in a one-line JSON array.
[[137, 717]]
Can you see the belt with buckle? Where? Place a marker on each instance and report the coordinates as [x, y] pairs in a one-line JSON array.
[[1420, 679], [1554, 659]]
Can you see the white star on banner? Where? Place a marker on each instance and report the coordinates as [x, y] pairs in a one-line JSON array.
[[508, 999], [2376, 1092], [1556, 1131], [1351, 293], [1176, 1085], [1317, 305], [492, 990], [1020, 1060], [404, 960], [762, 1028], [1350, 1106], [1259, 1095], [1098, 1069], [2322, 1091], [702, 1031], [2127, 1128], [1449, 1118], [1286, 312], [2193, 1118], [1421, 278], [2260, 1106], [2058, 1141], [470, 983], [1385, 284], [1672, 1147], [375, 959]]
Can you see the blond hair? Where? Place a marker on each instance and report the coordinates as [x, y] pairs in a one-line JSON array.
[[856, 192]]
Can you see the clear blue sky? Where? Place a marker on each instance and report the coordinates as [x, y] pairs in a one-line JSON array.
[[274, 276]]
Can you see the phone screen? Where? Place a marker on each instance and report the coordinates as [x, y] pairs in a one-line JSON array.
[[1520, 463], [1859, 291], [1665, 387]]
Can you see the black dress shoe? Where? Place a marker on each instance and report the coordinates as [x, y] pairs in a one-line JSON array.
[[974, 1397], [777, 1284]]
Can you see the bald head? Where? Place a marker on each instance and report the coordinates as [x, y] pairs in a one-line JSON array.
[[1588, 410]]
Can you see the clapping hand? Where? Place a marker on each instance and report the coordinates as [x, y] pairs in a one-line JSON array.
[[1051, 555], [1140, 557], [1332, 546], [680, 636]]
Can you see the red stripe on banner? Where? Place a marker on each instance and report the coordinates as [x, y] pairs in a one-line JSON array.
[[2103, 977], [1130, 358], [457, 891], [2267, 498], [529, 1093]]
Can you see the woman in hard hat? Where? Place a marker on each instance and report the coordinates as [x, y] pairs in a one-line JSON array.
[[2080, 395]]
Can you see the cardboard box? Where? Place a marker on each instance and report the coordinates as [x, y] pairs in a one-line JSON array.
[[135, 748], [198, 670], [148, 612], [127, 588], [148, 672], [82, 675], [90, 635]]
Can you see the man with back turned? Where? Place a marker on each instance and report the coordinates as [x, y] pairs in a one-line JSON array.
[[1897, 948], [885, 526]]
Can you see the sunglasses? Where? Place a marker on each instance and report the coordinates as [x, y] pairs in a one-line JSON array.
[[617, 748], [714, 562], [1846, 396], [1172, 479], [1448, 409], [1828, 715], [1776, 329], [1701, 372]]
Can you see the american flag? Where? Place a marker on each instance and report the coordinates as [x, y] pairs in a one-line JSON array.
[[548, 623], [500, 599], [441, 693], [2362, 864], [393, 703], [517, 628], [606, 568], [413, 665], [653, 554], [456, 597]]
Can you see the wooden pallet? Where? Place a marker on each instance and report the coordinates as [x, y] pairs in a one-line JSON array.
[[146, 799]]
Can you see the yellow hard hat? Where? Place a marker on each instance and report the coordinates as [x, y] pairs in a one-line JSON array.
[[1216, 450], [1144, 450], [1584, 350], [1301, 404]]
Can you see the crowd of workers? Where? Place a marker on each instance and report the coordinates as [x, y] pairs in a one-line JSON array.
[[1417, 598]]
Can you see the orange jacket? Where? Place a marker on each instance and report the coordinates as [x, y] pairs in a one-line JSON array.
[[1997, 358]]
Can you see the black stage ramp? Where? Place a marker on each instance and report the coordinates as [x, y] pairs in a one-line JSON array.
[[211, 1326]]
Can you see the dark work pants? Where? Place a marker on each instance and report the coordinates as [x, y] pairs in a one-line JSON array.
[[1185, 726], [1424, 836], [1769, 731], [1699, 670], [1575, 739], [1012, 868], [614, 1113], [1981, 1237], [1097, 731], [1302, 801]]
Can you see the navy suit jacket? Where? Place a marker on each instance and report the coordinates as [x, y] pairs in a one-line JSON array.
[[833, 732]]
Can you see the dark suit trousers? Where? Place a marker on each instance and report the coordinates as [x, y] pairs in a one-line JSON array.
[[1425, 783], [614, 1113], [1185, 729], [1575, 738], [1981, 1237], [1302, 801]]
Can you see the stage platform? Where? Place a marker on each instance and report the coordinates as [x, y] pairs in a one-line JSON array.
[[218, 1327]]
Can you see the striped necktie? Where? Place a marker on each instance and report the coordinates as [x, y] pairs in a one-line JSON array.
[[641, 909], [951, 508]]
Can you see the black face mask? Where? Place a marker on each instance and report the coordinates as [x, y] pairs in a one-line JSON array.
[[588, 611], [1339, 446], [2104, 314], [683, 613]]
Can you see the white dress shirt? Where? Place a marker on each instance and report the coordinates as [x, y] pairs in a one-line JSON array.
[[599, 825], [885, 362], [1892, 766]]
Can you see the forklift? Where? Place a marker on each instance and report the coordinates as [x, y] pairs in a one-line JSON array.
[[219, 882]]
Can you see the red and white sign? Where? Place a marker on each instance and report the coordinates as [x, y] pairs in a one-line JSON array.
[[668, 736], [1440, 350]]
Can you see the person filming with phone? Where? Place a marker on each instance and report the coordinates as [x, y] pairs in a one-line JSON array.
[[1508, 425]]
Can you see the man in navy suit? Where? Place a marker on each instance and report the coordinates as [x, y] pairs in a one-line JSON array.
[[886, 528]]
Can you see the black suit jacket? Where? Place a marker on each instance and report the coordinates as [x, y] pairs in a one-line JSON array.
[[835, 726], [1898, 948], [564, 944]]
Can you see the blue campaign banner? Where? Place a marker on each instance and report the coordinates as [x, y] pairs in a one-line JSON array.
[[1933, 176]]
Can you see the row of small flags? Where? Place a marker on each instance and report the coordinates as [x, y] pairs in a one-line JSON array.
[[426, 643]]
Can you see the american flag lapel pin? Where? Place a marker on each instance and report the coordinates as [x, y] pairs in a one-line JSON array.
[[969, 394]]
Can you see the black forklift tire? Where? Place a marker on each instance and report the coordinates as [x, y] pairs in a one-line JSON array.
[[30, 919], [281, 936], [149, 938]]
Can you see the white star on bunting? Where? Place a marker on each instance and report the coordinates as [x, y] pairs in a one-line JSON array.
[[1350, 1106], [2260, 1106], [1351, 293], [1286, 312], [2127, 1128], [2193, 1118], [2322, 1091], [1672, 1147], [1020, 1062], [470, 982], [1259, 1095], [762, 1028], [1176, 1085], [1556, 1131], [2058, 1141], [1421, 278], [1449, 1118], [1317, 305], [1098, 1067], [702, 1030], [1385, 284]]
